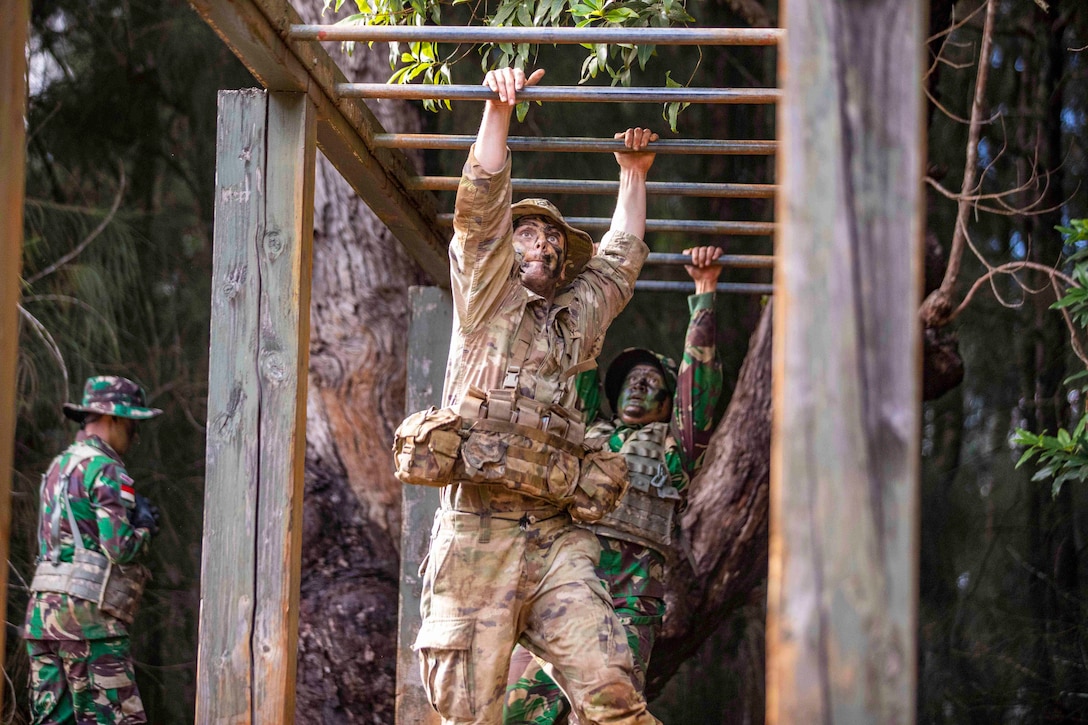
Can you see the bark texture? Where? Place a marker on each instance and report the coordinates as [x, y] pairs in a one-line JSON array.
[[351, 529], [725, 523]]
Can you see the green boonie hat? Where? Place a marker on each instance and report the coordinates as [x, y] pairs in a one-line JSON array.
[[579, 243], [111, 395], [629, 358]]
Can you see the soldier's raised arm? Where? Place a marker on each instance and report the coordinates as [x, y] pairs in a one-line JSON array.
[[495, 123], [630, 214]]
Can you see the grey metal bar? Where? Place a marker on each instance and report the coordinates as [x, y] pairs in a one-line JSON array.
[[745, 288], [574, 144], [738, 261], [689, 226], [581, 94], [575, 186], [553, 36]]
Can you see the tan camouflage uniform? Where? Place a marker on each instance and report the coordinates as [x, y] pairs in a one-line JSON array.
[[504, 567]]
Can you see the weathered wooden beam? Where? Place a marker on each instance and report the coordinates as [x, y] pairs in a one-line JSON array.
[[842, 595], [428, 347], [15, 15], [256, 30], [256, 408]]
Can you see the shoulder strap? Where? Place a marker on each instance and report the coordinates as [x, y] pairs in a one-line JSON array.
[[77, 454], [519, 350]]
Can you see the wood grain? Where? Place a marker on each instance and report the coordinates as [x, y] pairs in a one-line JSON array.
[[842, 585], [15, 15]]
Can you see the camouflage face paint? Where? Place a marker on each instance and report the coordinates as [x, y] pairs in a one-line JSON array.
[[539, 247], [644, 397]]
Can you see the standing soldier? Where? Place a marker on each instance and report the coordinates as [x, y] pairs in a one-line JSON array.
[[645, 391], [532, 303], [86, 588]]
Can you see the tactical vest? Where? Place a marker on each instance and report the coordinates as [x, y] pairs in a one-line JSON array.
[[647, 513], [504, 438], [90, 576]]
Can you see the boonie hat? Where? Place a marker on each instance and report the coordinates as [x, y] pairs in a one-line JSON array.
[[111, 395], [579, 243], [629, 358]]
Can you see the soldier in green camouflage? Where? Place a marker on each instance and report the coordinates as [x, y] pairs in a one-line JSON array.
[[645, 391], [86, 588]]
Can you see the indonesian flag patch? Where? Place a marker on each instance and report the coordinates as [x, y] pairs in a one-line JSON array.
[[128, 491]]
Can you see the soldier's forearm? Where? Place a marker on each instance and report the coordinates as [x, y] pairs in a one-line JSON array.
[[630, 214], [491, 138]]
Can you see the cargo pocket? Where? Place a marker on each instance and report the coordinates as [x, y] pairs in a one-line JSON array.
[[445, 660]]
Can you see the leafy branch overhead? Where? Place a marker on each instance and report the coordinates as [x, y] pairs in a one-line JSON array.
[[426, 62]]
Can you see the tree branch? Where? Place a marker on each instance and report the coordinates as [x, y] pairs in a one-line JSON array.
[[89, 238], [936, 307]]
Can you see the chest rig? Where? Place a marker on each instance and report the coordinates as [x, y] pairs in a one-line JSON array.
[[526, 442], [647, 513], [90, 575]]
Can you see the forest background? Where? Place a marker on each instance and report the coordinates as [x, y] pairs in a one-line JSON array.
[[116, 279]]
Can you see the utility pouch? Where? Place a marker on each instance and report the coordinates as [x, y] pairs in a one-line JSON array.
[[90, 576], [426, 446], [602, 481], [522, 459]]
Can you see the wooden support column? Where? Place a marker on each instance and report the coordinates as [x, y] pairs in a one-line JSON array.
[[842, 597], [256, 408], [16, 18], [428, 347]]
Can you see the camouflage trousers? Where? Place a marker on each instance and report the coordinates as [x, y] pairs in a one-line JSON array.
[[634, 575], [89, 682], [490, 583]]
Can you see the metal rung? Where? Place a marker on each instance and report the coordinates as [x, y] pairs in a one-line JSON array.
[[746, 288], [738, 261], [598, 94], [573, 186], [552, 36], [690, 226], [577, 144]]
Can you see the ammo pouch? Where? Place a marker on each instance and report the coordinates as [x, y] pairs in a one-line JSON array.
[[90, 576], [425, 447], [515, 442]]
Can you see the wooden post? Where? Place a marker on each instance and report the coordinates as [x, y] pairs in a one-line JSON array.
[[428, 348], [15, 15], [256, 408], [842, 596]]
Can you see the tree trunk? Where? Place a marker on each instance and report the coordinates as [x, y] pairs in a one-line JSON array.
[[725, 523], [351, 528]]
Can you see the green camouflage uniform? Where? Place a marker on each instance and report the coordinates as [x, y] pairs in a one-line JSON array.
[[80, 666], [503, 566], [632, 571]]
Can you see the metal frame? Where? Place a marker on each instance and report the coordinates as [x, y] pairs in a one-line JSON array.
[[346, 32]]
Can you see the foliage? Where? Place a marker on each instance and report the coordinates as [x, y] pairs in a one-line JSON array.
[[425, 61], [1064, 456]]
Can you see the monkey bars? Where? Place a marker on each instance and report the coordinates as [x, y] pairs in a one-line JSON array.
[[345, 32]]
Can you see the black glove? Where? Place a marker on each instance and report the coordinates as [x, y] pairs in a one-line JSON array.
[[145, 515]]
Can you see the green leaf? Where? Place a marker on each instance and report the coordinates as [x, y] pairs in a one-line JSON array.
[[644, 54]]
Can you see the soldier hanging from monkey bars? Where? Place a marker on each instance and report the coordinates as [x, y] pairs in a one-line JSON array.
[[506, 564], [662, 424]]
